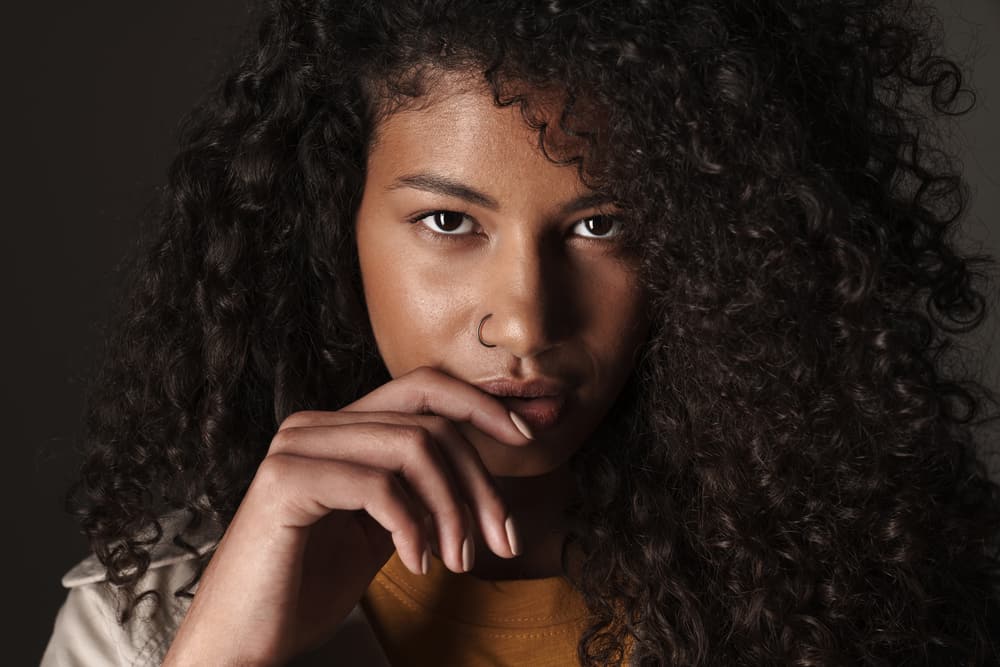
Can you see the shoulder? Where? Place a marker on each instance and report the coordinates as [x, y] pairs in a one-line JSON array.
[[87, 631], [164, 553]]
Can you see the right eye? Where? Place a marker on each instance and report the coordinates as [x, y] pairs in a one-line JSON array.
[[446, 223]]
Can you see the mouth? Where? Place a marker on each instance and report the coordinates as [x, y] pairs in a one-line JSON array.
[[540, 401], [541, 412]]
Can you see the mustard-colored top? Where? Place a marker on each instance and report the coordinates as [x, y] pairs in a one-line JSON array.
[[446, 618]]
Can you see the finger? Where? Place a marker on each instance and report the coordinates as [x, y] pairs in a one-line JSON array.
[[487, 509], [403, 447], [302, 490], [463, 466], [428, 390]]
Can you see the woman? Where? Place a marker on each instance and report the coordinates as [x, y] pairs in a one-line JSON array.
[[536, 333]]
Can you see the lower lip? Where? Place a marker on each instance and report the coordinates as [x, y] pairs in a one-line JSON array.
[[540, 413]]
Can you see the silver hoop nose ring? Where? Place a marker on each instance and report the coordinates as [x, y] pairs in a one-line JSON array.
[[480, 332]]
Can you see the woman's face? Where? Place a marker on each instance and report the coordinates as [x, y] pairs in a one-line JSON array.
[[463, 216]]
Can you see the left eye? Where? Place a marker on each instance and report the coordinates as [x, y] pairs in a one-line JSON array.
[[449, 223], [598, 227]]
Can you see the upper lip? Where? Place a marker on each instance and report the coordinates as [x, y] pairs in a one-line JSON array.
[[524, 388]]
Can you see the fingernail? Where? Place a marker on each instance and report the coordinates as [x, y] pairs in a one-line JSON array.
[[468, 554], [425, 562], [521, 426], [512, 539]]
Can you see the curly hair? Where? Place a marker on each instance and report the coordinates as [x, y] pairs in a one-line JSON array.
[[790, 474]]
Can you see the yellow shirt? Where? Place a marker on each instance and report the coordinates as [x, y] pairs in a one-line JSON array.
[[446, 618]]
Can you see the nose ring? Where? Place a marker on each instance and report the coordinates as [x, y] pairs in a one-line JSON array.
[[480, 332]]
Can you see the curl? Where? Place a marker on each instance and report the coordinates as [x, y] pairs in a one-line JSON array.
[[790, 475]]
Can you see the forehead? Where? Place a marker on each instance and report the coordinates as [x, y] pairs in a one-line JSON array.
[[457, 129]]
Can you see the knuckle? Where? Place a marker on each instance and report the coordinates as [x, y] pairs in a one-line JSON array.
[[453, 513], [423, 373], [490, 499], [384, 483], [296, 420], [484, 493], [439, 424], [407, 535], [274, 471], [422, 448], [411, 434], [283, 440]]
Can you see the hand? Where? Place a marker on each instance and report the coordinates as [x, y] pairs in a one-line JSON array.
[[335, 495]]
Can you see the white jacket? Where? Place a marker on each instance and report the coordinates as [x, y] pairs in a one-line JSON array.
[[86, 632]]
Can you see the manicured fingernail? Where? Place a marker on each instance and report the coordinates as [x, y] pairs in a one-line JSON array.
[[521, 426], [425, 562], [468, 554], [512, 539]]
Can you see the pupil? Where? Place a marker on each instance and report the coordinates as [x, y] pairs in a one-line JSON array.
[[598, 225], [444, 220]]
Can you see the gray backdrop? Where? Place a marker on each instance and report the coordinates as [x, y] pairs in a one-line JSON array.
[[92, 96]]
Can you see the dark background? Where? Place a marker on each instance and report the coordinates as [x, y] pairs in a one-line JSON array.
[[92, 95]]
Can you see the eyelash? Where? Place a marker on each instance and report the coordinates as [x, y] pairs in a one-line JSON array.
[[446, 237]]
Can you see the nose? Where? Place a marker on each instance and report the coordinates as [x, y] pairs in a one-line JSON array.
[[525, 290]]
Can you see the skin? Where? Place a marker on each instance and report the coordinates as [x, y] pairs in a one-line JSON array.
[[428, 460], [565, 302]]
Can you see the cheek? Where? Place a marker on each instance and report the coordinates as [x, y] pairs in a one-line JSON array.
[[620, 329], [411, 305]]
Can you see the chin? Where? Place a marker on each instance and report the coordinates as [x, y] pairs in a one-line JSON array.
[[538, 457]]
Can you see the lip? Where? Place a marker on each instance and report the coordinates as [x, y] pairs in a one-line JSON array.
[[539, 401], [533, 388], [540, 413]]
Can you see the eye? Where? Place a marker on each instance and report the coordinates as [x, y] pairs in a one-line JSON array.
[[446, 223], [598, 227]]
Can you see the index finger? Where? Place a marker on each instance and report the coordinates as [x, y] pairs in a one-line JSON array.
[[429, 390]]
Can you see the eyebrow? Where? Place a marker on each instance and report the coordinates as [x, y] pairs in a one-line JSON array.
[[443, 185]]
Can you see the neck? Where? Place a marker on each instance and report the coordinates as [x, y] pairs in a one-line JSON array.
[[538, 506]]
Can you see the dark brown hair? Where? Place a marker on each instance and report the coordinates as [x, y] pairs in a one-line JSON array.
[[789, 477]]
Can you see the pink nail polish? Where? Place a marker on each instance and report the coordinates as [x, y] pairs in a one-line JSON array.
[[521, 425], [512, 537]]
